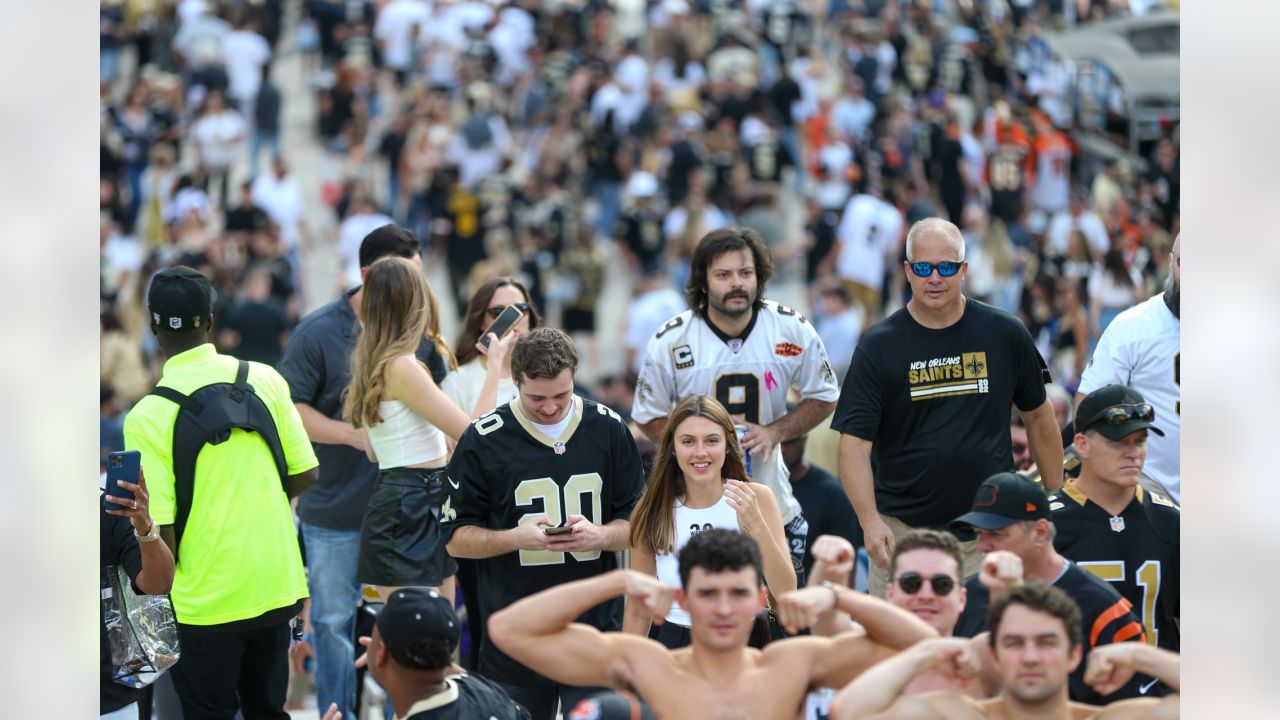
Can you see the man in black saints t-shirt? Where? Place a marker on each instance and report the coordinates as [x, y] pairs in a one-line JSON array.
[[924, 408], [546, 460]]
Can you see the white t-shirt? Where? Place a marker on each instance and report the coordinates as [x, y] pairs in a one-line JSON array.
[[463, 387], [1141, 349], [690, 522], [281, 199], [245, 53], [395, 28], [868, 233], [646, 316], [557, 429], [219, 138], [351, 234], [781, 350], [1090, 224]]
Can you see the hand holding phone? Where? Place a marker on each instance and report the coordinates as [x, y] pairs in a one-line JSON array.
[[502, 324], [561, 530], [122, 465]]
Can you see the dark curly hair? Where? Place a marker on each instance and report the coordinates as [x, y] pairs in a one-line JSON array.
[[1040, 597], [719, 550], [713, 245]]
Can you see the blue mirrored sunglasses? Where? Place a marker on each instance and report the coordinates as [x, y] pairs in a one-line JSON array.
[[945, 268]]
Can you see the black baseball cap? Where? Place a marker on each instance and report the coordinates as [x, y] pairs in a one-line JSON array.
[[180, 298], [611, 705], [1004, 499], [412, 614], [1129, 416]]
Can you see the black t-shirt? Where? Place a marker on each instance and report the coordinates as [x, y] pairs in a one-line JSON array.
[[260, 325], [317, 367], [824, 237], [825, 505], [642, 232], [468, 696], [1105, 618], [766, 159], [1137, 552], [504, 470], [782, 94], [466, 241], [936, 405], [116, 547]]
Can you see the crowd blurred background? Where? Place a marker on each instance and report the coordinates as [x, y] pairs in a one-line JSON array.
[[585, 145]]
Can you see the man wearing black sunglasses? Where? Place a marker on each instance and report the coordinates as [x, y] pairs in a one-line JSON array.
[[1109, 523], [924, 409]]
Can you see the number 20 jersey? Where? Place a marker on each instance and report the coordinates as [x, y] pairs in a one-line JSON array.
[[780, 349], [506, 471]]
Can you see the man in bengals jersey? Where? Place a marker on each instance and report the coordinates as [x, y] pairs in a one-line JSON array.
[[1011, 518], [1008, 163], [1109, 524], [540, 492]]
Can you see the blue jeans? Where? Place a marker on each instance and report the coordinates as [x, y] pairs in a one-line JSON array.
[[332, 556], [128, 712], [262, 139]]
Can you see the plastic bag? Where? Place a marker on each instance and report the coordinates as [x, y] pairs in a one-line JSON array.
[[142, 631]]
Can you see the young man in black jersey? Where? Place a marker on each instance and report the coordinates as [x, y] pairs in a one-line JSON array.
[[1011, 517], [541, 491], [1109, 524]]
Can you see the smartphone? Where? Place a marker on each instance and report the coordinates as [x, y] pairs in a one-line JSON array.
[[122, 465], [503, 324], [557, 530]]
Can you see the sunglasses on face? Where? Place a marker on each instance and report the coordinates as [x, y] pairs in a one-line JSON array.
[[1121, 414], [945, 268], [496, 310], [911, 582]]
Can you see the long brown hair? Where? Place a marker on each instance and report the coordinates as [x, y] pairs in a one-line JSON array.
[[653, 520], [398, 310], [476, 319]]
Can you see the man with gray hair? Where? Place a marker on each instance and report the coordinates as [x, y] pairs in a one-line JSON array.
[[923, 413]]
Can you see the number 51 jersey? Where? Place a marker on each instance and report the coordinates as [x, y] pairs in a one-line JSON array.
[[506, 471], [749, 375]]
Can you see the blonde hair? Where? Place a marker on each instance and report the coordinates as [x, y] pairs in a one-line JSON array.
[[398, 310], [939, 227]]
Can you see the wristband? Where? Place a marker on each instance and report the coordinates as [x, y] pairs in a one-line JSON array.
[[835, 592]]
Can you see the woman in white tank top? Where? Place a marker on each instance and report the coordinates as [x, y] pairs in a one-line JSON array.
[[699, 482], [405, 417]]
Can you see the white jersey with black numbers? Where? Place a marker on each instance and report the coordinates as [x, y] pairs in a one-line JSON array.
[[749, 375], [1141, 348]]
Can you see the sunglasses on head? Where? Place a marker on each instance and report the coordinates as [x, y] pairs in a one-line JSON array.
[[945, 268], [496, 310], [1121, 414], [911, 582]]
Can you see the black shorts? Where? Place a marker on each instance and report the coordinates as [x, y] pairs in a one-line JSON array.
[[400, 539]]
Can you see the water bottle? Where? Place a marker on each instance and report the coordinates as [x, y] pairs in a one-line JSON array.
[[746, 454]]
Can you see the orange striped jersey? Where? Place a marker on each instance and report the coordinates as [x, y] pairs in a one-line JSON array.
[[1105, 616]]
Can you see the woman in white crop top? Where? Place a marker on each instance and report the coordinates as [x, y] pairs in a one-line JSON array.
[[699, 482], [405, 417]]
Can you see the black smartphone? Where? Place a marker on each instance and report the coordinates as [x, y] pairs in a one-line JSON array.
[[122, 465], [556, 530], [503, 324]]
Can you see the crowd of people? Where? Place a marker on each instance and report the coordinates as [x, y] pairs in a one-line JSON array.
[[908, 165]]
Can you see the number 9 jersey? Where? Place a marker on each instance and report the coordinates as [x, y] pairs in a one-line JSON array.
[[749, 375], [506, 471]]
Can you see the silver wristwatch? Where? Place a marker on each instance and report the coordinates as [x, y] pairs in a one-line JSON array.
[[151, 535]]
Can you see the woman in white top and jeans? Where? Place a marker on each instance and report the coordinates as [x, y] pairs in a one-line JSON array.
[[700, 482], [406, 417]]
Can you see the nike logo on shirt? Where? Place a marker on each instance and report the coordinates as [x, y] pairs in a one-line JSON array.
[[1147, 686]]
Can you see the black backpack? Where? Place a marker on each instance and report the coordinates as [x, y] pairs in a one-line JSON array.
[[207, 417]]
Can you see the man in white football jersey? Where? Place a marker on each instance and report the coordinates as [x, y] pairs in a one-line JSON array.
[[869, 240], [746, 352], [1141, 348]]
